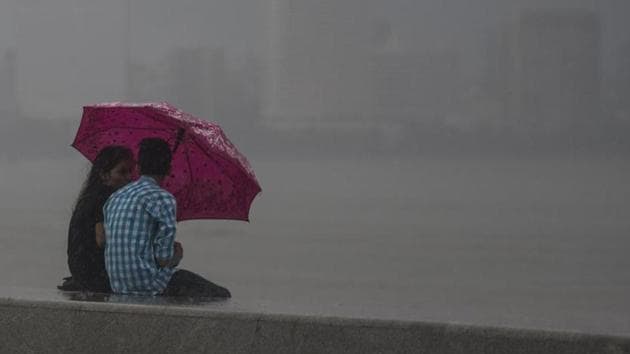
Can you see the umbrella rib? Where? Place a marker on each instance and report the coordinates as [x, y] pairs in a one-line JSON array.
[[229, 161], [210, 156], [110, 128], [254, 181]]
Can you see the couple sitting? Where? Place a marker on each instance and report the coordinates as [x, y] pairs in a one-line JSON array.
[[122, 235]]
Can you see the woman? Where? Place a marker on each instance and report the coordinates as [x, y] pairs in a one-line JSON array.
[[112, 169]]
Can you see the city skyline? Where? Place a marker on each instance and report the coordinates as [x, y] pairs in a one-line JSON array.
[[363, 67]]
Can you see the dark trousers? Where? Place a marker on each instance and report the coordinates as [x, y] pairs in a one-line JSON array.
[[186, 283]]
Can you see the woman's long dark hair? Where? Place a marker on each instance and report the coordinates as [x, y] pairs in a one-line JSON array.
[[93, 188]]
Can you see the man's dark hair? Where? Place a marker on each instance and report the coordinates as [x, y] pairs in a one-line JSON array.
[[154, 157]]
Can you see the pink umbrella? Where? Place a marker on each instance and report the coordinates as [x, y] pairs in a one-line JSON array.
[[210, 178]]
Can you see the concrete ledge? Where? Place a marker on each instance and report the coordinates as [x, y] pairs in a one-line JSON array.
[[29, 326]]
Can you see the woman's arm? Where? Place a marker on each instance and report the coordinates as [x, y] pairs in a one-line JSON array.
[[99, 231]]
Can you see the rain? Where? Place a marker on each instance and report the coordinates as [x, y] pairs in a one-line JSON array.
[[441, 160]]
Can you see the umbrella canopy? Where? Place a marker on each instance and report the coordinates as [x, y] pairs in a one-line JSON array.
[[210, 178]]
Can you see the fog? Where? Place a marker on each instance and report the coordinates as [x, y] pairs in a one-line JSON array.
[[553, 72], [440, 160]]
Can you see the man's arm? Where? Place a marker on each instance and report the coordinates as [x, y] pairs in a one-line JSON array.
[[164, 211]]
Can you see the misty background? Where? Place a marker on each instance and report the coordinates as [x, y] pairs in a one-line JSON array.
[[438, 160]]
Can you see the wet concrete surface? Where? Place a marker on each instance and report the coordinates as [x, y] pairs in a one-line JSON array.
[[514, 242]]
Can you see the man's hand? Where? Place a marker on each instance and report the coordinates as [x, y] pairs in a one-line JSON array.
[[177, 256]]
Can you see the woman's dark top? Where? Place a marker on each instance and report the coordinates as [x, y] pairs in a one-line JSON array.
[[85, 259]]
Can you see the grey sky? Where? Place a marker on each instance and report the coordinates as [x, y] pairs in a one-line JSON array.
[[70, 52]]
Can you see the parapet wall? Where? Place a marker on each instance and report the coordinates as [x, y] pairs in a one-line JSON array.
[[28, 326]]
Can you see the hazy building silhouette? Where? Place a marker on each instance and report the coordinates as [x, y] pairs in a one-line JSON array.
[[318, 65], [618, 87], [68, 54], [415, 89], [242, 95], [198, 81], [8, 97], [556, 78], [498, 70], [142, 82]]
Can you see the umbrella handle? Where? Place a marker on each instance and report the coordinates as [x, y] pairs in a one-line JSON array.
[[178, 140]]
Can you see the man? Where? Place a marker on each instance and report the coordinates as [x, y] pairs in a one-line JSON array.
[[141, 254]]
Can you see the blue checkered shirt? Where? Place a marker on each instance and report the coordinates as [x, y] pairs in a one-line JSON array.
[[140, 229]]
